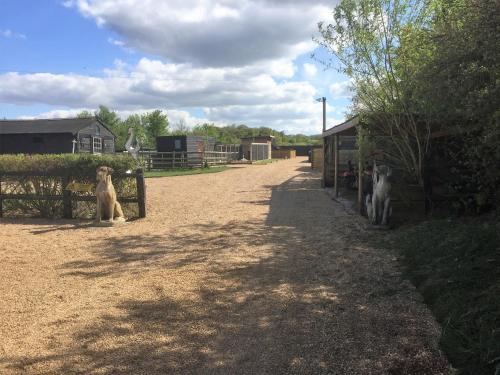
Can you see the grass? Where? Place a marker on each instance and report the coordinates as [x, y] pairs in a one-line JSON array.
[[265, 161], [184, 171], [456, 267]]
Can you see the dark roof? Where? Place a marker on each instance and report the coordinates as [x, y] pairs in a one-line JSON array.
[[349, 124], [62, 125]]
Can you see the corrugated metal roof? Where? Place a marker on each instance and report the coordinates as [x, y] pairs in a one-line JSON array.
[[65, 125]]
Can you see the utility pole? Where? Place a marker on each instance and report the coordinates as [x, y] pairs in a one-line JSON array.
[[323, 172], [323, 99]]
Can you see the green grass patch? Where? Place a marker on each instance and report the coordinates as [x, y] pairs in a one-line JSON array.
[[184, 171], [456, 267], [265, 161]]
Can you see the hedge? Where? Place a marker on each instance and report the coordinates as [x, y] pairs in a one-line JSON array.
[[79, 167]]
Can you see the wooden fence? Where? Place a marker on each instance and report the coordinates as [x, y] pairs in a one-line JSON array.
[[67, 196], [152, 160]]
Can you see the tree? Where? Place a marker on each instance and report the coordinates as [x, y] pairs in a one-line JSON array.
[[85, 114], [156, 124], [369, 40], [181, 128]]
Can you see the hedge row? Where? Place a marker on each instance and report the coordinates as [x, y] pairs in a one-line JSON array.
[[76, 164], [79, 167]]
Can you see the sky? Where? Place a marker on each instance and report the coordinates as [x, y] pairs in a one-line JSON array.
[[218, 61]]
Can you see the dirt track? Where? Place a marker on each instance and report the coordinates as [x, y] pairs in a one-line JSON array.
[[254, 270]]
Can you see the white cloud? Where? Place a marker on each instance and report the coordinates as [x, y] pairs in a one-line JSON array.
[[340, 90], [9, 34], [211, 32], [310, 70], [229, 58]]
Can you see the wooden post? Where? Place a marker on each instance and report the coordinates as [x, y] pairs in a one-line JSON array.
[[336, 172], [360, 183], [67, 207], [1, 200], [141, 192], [323, 179]]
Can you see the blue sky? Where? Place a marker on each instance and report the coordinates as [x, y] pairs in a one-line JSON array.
[[205, 60]]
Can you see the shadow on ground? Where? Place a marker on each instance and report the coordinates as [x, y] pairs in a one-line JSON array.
[[293, 294]]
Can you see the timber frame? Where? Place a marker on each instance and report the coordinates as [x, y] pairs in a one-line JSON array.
[[339, 139]]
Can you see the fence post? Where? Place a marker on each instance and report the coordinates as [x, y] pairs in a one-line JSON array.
[[1, 200], [141, 192], [67, 208]]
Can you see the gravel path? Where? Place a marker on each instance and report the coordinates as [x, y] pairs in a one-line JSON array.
[[254, 270]]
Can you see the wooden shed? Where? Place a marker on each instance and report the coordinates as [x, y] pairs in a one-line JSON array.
[[186, 143], [56, 136], [256, 148]]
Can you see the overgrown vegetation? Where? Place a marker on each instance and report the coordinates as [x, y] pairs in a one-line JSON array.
[[80, 168], [456, 266], [424, 67]]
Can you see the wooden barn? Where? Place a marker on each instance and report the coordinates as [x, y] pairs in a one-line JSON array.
[[56, 136]]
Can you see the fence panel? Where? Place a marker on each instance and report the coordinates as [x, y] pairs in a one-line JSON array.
[[152, 160]]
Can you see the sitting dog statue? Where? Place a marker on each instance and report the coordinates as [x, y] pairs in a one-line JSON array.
[[107, 205], [379, 209]]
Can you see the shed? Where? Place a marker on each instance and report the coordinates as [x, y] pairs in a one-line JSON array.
[[256, 148], [56, 136], [184, 143]]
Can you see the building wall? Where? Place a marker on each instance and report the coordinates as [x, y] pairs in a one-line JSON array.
[[49, 143], [300, 150], [171, 143]]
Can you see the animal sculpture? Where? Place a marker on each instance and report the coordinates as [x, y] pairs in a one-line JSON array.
[[378, 206], [132, 145], [107, 205]]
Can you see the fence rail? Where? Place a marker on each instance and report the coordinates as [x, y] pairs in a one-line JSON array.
[[67, 197], [152, 160]]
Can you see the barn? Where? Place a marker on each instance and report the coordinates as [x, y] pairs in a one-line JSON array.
[[56, 136]]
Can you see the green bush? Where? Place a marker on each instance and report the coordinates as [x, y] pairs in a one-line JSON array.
[[79, 168]]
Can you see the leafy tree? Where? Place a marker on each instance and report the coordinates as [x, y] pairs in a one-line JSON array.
[[368, 39], [181, 128], [156, 124], [84, 114]]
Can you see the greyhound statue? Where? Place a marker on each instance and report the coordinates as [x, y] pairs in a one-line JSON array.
[[378, 205]]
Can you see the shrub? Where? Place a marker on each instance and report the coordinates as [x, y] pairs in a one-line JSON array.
[[79, 168]]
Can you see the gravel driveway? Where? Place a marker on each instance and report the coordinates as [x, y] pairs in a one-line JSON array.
[[254, 270]]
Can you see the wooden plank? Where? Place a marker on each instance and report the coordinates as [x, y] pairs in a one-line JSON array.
[[31, 197], [336, 162], [67, 208], [141, 193]]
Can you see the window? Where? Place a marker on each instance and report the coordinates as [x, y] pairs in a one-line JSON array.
[[177, 145], [97, 145], [97, 130]]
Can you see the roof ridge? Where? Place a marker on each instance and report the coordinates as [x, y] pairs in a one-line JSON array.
[[49, 119]]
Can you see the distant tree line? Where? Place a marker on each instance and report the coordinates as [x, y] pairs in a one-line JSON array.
[[150, 125]]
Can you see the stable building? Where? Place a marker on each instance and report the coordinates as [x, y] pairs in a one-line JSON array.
[[56, 136]]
